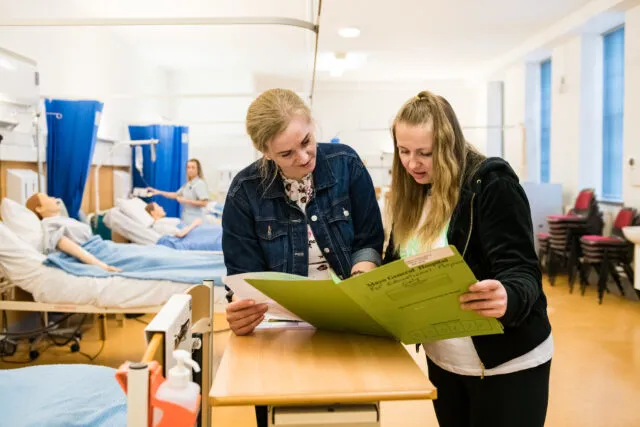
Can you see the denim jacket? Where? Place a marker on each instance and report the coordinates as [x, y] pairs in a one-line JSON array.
[[264, 231]]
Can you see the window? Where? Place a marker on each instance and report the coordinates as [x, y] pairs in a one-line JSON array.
[[545, 120], [612, 115]]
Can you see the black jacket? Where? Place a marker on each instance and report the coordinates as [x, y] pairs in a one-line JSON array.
[[491, 227]]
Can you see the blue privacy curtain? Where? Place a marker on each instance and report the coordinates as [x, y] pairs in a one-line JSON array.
[[180, 157], [168, 172], [71, 139]]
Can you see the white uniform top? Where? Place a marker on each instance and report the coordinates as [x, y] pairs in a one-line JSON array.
[[57, 226], [459, 355], [196, 189], [166, 226]]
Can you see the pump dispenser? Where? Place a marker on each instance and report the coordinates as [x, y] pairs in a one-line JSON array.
[[178, 388]]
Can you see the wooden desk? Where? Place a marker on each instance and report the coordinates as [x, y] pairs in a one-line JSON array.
[[296, 367]]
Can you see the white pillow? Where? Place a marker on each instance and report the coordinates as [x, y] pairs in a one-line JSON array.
[[19, 261], [135, 209], [24, 223]]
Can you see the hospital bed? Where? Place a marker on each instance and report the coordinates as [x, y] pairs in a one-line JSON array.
[[130, 220], [54, 290], [61, 395]]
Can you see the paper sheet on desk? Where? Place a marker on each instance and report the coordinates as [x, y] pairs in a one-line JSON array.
[[243, 290], [271, 322]]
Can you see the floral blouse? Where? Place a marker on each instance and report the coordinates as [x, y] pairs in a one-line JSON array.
[[300, 192]]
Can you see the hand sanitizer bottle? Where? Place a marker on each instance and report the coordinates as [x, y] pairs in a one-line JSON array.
[[178, 388]]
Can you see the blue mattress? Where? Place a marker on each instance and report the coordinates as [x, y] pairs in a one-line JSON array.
[[61, 395]]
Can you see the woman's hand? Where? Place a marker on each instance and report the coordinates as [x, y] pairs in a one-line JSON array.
[[487, 298], [362, 267], [244, 315], [180, 199], [153, 191]]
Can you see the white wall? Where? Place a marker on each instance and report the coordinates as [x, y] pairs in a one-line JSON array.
[[514, 111], [532, 121], [631, 192], [565, 117], [360, 114], [93, 63], [214, 106], [576, 122]]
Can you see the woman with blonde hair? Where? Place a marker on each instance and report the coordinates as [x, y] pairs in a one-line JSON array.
[[445, 192], [193, 196], [304, 208]]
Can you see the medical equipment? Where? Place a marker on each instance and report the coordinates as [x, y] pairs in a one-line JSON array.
[[172, 322], [8, 124], [121, 185], [22, 184], [142, 382], [141, 192], [96, 172]]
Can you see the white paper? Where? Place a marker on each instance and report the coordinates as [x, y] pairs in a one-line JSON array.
[[243, 290]]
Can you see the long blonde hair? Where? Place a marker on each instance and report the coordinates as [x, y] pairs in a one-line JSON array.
[[449, 155], [269, 115]]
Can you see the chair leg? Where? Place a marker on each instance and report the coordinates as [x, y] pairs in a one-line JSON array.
[[629, 272], [616, 277], [571, 271], [584, 277], [602, 280]]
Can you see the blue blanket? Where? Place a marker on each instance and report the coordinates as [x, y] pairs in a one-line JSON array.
[[205, 237], [149, 262], [61, 395]]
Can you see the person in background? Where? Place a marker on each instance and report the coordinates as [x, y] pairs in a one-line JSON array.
[[63, 234], [304, 208], [445, 192], [193, 196], [168, 226]]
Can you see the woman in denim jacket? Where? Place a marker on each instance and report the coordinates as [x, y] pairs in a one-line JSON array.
[[304, 208]]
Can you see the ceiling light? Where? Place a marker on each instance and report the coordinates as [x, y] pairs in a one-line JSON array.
[[349, 33]]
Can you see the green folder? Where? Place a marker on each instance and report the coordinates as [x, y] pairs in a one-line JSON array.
[[413, 300]]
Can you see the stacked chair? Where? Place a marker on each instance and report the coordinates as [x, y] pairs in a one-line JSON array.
[[561, 246], [606, 253]]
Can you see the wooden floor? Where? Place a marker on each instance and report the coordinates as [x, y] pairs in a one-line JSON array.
[[595, 374]]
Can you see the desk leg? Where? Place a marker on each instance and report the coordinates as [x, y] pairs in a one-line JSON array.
[[360, 415]]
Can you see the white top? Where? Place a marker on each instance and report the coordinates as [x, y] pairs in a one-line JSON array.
[[166, 226], [57, 226], [458, 355], [196, 189], [301, 192]]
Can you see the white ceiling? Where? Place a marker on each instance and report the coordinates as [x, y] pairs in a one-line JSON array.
[[422, 39], [400, 39]]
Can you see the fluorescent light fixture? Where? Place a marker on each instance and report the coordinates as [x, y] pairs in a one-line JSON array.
[[339, 62], [349, 32]]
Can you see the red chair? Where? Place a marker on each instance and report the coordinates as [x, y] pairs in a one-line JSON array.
[[562, 241], [577, 214], [606, 253]]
